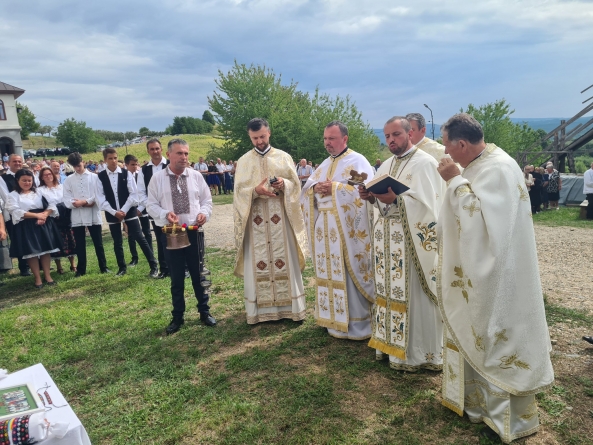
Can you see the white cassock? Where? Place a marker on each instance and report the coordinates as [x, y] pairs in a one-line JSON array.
[[432, 148], [496, 338], [339, 241], [270, 238], [407, 323]]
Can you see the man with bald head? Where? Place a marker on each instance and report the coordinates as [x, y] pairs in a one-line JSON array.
[[304, 170], [407, 324], [419, 138], [7, 185]]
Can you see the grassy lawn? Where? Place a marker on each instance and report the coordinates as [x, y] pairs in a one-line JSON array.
[[102, 340], [566, 216]]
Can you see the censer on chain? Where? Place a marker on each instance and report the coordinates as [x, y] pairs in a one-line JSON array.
[[205, 279]]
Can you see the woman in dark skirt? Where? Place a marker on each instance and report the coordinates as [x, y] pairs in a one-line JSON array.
[[213, 179], [35, 233], [52, 191]]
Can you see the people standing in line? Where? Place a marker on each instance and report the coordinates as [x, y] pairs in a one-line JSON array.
[[588, 190], [8, 185], [406, 321], [131, 164], [419, 138], [81, 197], [554, 186], [304, 170], [117, 196], [53, 192], [156, 164], [35, 234], [339, 239], [179, 195], [497, 343], [269, 232]]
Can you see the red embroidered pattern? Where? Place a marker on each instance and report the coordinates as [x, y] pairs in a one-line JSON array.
[[279, 263], [258, 220], [275, 219], [261, 265]]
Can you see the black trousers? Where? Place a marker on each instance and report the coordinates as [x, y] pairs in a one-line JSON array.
[[160, 242], [135, 233], [590, 206], [177, 260], [222, 183], [145, 226], [80, 238], [23, 264]]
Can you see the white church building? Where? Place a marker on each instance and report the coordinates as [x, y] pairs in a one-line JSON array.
[[10, 130]]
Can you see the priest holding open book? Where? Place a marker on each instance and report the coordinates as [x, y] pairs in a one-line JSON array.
[[406, 195]]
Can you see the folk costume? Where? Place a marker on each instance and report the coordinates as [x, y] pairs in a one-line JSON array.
[[431, 147], [29, 239], [5, 261], [144, 225], [407, 323], [270, 238], [7, 185], [340, 246], [496, 339], [186, 195], [55, 196], [83, 186]]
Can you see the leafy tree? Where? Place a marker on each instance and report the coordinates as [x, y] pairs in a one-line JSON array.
[[27, 121], [45, 129], [130, 135], [189, 125], [143, 131], [77, 136], [297, 119], [208, 117], [499, 129]]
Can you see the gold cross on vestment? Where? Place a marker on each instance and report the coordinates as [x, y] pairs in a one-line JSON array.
[[473, 207]]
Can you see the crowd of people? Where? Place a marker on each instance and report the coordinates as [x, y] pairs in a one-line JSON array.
[[544, 187], [440, 276]]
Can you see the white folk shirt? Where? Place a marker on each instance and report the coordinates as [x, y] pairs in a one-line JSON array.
[[53, 195], [142, 193], [160, 200], [101, 167], [20, 203], [132, 200], [4, 194], [82, 186], [588, 182]]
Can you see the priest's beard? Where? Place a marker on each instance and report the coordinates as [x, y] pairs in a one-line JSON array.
[[399, 149]]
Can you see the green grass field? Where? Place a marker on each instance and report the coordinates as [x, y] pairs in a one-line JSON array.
[[565, 216]]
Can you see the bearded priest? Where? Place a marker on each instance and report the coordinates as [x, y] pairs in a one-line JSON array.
[[497, 346], [339, 239], [407, 324], [269, 232]]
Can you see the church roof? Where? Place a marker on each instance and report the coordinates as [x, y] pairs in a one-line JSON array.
[[6, 88]]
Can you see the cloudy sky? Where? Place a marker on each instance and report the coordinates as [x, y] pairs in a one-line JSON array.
[[123, 64]]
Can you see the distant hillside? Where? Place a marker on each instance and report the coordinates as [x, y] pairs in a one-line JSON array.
[[545, 123]]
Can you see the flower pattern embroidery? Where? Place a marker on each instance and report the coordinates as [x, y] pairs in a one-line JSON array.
[[397, 264], [427, 235], [463, 282]]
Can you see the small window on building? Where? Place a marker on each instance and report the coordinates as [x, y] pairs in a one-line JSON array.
[[2, 112]]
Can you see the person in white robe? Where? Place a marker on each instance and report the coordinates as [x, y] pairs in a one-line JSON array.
[[407, 324], [419, 138], [339, 239], [269, 231], [497, 343]]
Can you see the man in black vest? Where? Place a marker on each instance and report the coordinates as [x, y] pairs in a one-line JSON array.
[[118, 197], [131, 163], [157, 163], [7, 185]]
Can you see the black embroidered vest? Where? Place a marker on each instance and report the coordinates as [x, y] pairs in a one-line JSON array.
[[147, 171], [122, 194], [10, 181]]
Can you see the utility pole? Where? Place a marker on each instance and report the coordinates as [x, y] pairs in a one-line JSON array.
[[431, 120]]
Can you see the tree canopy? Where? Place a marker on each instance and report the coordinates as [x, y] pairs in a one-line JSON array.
[[208, 117], [27, 121], [77, 136], [188, 125], [297, 119]]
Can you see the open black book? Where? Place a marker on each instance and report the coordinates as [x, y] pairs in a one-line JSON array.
[[380, 184]]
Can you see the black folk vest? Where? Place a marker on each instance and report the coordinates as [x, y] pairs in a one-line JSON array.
[[10, 182], [147, 171], [122, 194]]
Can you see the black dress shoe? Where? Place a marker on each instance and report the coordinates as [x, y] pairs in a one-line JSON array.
[[121, 272], [588, 338], [38, 286], [154, 273], [106, 270], [51, 283], [187, 275], [207, 319], [134, 262], [174, 326], [163, 275], [26, 273], [78, 274]]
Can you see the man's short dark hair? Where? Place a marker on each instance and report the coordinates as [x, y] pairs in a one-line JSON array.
[[151, 140], [130, 158], [74, 159], [405, 123], [418, 118], [343, 128], [109, 151], [463, 126], [19, 174], [257, 123]]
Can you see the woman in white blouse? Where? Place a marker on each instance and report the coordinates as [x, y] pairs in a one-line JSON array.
[[35, 234], [53, 192]]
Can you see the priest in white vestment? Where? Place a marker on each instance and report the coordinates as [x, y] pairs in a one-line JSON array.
[[419, 138], [497, 343], [406, 322], [339, 239], [269, 232]]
